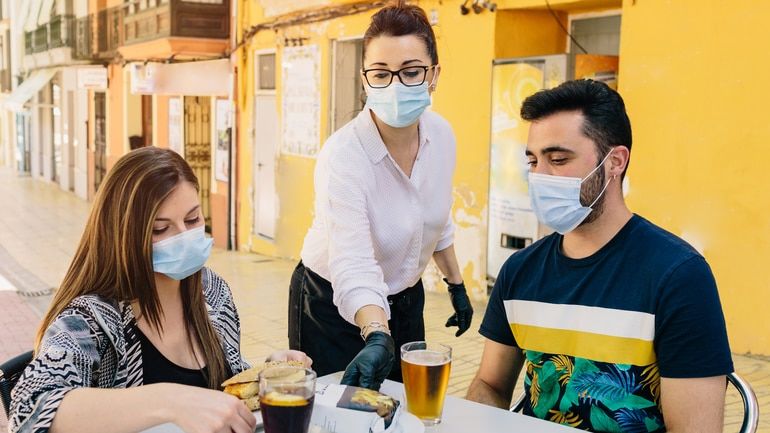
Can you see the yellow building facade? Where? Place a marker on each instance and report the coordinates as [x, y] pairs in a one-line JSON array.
[[688, 71]]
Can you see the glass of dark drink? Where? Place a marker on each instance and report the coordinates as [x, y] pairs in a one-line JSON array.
[[286, 398]]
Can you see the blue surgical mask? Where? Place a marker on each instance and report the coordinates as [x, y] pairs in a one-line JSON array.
[[556, 199], [398, 105], [181, 255]]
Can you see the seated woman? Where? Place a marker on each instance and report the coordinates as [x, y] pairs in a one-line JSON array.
[[139, 333]]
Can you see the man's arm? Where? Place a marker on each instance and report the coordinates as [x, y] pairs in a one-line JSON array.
[[497, 375], [693, 405]]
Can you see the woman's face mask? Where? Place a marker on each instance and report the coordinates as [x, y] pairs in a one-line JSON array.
[[181, 255]]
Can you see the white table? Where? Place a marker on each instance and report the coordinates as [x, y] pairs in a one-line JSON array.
[[464, 416], [460, 416]]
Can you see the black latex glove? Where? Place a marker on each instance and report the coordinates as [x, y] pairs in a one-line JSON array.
[[373, 363], [463, 309]]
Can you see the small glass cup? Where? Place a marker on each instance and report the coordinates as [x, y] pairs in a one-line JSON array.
[[425, 368], [286, 397]]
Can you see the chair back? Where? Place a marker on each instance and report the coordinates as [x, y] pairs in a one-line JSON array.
[[10, 371], [750, 405]]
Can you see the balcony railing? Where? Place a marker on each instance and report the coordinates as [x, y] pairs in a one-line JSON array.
[[40, 39], [99, 35], [84, 37], [57, 33], [61, 31], [154, 19], [109, 30]]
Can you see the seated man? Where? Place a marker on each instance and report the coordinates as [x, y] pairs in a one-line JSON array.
[[619, 322]]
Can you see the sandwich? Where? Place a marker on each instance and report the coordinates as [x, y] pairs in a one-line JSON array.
[[245, 385]]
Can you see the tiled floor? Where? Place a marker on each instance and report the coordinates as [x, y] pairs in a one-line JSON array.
[[41, 225]]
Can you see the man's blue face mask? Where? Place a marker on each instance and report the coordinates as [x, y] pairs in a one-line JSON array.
[[556, 199], [181, 255]]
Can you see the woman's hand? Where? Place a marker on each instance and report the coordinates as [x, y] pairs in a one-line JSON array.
[[200, 410], [290, 355]]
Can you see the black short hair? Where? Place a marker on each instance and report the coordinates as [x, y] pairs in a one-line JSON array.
[[606, 121]]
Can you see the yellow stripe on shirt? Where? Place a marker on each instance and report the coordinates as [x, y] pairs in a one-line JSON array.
[[596, 347]]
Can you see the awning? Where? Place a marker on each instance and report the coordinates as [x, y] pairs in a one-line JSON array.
[[33, 12], [28, 89], [46, 10]]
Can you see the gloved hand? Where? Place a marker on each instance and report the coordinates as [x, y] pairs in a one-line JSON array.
[[373, 363], [463, 309]]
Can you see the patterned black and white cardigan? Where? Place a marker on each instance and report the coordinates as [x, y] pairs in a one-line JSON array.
[[92, 344]]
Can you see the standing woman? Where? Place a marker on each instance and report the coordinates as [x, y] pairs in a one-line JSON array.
[[383, 186], [139, 333]]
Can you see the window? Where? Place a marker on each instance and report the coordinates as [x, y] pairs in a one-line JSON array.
[[266, 64]]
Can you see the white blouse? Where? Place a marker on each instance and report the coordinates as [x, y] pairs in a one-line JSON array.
[[375, 229]]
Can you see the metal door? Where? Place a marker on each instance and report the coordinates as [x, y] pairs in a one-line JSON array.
[[197, 147]]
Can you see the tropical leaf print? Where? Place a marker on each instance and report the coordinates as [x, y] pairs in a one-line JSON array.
[[605, 386], [602, 422], [631, 420], [550, 389], [563, 364], [568, 418], [651, 380], [533, 357], [534, 389]]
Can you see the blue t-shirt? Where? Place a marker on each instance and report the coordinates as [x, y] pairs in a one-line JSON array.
[[599, 332]]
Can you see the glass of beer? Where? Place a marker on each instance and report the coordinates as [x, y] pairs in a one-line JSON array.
[[425, 369], [286, 398]]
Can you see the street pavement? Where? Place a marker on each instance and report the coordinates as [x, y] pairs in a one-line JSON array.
[[40, 226]]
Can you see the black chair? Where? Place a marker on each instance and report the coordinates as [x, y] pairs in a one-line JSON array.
[[10, 371], [750, 405]]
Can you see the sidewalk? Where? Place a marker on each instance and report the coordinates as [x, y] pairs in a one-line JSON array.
[[41, 226]]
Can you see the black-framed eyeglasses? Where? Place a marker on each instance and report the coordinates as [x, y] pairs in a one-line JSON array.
[[410, 76]]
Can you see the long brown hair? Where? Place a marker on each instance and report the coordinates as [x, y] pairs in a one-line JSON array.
[[114, 257], [401, 19]]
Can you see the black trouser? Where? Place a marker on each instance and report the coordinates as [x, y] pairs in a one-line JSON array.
[[316, 327]]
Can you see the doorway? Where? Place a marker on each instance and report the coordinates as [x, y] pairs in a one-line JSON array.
[[100, 138], [347, 96], [197, 147], [265, 138], [22, 142]]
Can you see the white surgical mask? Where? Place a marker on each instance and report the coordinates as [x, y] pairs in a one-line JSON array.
[[181, 255], [556, 199], [398, 105]]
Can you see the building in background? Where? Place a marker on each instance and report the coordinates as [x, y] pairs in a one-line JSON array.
[[688, 72], [97, 78]]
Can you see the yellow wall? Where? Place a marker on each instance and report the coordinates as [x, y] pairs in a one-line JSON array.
[[524, 33], [694, 89]]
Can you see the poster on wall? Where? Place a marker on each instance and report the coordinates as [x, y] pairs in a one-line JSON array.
[[175, 125], [512, 224], [301, 98], [222, 140]]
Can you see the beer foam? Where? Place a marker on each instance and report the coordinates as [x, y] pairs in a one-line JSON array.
[[425, 357]]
